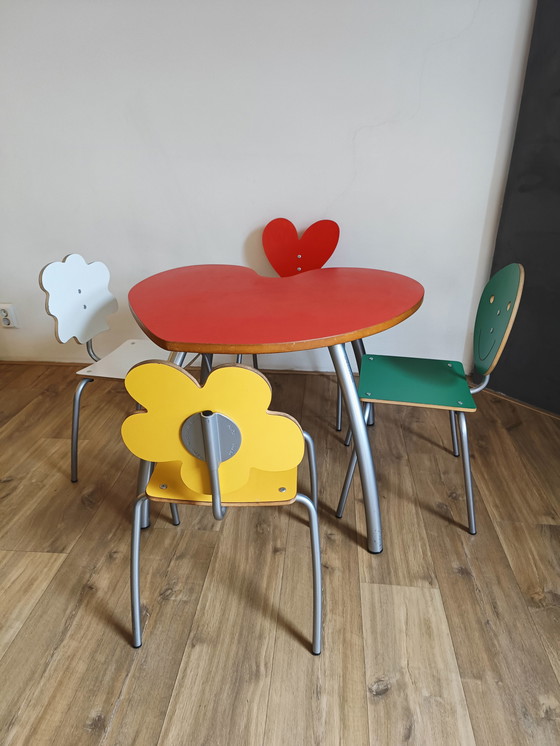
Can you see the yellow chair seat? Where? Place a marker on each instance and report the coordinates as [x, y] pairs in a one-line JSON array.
[[272, 488]]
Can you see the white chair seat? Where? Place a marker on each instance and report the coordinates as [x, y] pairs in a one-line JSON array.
[[117, 363]]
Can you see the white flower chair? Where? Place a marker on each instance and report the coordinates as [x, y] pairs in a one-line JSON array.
[[79, 299], [216, 445]]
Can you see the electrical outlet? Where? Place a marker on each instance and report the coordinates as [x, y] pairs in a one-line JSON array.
[[8, 316]]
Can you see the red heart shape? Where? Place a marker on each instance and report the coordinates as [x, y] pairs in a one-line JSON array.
[[289, 254]]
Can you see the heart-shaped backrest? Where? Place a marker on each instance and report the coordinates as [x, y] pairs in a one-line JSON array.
[[289, 254]]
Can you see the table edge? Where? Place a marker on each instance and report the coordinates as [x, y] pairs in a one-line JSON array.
[[273, 347]]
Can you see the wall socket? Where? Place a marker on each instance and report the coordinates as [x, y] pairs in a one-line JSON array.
[[8, 316]]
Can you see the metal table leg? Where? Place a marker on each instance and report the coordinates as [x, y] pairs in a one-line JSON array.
[[363, 449], [359, 351]]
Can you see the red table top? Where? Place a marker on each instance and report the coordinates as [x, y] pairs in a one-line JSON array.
[[226, 308]]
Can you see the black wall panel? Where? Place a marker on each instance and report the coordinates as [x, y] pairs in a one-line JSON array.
[[529, 230]]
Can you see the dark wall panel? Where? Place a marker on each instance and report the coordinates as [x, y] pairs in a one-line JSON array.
[[529, 230]]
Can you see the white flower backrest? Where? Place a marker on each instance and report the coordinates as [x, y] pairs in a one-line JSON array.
[[78, 297]]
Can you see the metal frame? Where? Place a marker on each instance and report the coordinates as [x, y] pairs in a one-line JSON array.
[[350, 397], [459, 435], [363, 449], [212, 439]]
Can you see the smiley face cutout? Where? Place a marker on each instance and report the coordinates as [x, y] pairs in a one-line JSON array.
[[496, 312]]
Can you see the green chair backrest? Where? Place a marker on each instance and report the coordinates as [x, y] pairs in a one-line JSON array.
[[496, 313]]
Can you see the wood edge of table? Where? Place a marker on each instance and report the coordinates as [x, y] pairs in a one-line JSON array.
[[403, 403], [264, 348]]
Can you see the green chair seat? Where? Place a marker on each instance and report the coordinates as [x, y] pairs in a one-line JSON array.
[[418, 382]]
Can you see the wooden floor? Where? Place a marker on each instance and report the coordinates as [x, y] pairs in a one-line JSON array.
[[444, 638]]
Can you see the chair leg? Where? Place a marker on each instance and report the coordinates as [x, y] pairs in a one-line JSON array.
[[312, 467], [75, 427], [239, 359], [135, 572], [145, 469], [338, 408], [255, 362], [351, 466], [467, 470], [453, 423], [347, 482], [317, 581], [175, 514], [206, 366]]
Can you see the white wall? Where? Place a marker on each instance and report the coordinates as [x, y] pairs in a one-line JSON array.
[[156, 134]]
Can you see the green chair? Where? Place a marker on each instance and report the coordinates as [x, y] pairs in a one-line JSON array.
[[441, 384]]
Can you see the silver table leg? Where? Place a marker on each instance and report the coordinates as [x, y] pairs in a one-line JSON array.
[[363, 449]]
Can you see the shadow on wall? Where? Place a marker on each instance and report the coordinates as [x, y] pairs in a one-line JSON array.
[[254, 256]]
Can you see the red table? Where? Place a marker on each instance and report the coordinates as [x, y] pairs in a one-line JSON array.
[[217, 308]]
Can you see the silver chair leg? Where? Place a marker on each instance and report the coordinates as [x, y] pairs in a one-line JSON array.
[[312, 459], [454, 439], [351, 466], [338, 409], [205, 367], [317, 581], [363, 448], [239, 359], [175, 514], [368, 416], [75, 427], [145, 469], [135, 572], [347, 482], [467, 470], [359, 351], [255, 362]]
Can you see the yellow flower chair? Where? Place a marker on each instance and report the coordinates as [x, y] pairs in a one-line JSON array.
[[215, 445]]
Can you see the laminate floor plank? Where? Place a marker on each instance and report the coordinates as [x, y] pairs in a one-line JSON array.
[[533, 553], [415, 689], [169, 600], [496, 458], [401, 515], [24, 576], [232, 637], [325, 695]]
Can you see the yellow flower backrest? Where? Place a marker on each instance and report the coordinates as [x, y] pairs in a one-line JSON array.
[[270, 441]]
